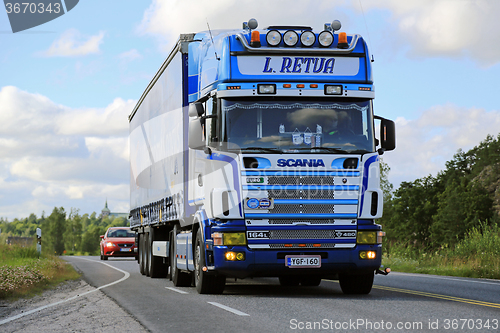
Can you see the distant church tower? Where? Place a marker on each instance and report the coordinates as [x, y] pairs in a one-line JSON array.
[[105, 211]]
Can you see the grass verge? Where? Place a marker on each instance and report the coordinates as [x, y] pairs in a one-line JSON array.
[[476, 256], [24, 274]]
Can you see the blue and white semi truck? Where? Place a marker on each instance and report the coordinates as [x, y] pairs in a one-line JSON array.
[[253, 153]]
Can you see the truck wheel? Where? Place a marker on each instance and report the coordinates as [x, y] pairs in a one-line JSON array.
[[356, 284], [289, 281], [310, 281], [179, 279], [142, 261], [205, 284], [147, 249], [156, 267]]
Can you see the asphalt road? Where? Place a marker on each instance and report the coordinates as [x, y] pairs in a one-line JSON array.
[[398, 303]]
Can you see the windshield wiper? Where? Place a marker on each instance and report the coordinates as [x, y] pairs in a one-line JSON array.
[[263, 149]]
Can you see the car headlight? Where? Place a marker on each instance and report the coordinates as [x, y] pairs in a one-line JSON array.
[[370, 237], [109, 244]]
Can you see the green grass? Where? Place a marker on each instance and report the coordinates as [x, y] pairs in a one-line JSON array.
[[24, 274], [477, 256]]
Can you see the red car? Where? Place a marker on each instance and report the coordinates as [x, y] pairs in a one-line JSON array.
[[118, 242]]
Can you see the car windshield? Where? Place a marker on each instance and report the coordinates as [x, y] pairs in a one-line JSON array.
[[341, 125], [120, 233]]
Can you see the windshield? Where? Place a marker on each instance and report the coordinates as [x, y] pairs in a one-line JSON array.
[[337, 125], [121, 233]]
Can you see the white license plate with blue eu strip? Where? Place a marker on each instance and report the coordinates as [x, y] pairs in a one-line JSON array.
[[303, 261]]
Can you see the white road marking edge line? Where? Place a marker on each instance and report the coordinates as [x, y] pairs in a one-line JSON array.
[[227, 308], [177, 290], [127, 274]]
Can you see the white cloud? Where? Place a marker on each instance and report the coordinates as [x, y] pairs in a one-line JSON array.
[[450, 28], [129, 56], [426, 143], [72, 43], [431, 28], [166, 19], [113, 120], [52, 155]]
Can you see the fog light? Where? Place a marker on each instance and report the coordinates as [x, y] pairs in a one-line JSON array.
[[307, 38], [325, 38], [273, 38], [290, 38], [235, 256], [367, 255]]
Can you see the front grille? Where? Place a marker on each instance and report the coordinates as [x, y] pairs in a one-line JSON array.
[[302, 234], [301, 194], [281, 221], [125, 245], [300, 180], [305, 209]]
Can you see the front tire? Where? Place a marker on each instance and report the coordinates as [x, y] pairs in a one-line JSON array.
[[360, 284], [205, 284]]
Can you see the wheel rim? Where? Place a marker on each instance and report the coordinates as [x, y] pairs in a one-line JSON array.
[[197, 262]]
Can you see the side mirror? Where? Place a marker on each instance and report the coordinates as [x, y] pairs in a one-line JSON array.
[[196, 110], [102, 236], [195, 140], [387, 134]]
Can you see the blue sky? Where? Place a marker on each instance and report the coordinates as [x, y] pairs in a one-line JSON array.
[[67, 86]]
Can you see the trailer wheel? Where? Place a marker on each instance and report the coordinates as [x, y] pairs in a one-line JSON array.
[[141, 254], [180, 279], [205, 284], [156, 267], [356, 284]]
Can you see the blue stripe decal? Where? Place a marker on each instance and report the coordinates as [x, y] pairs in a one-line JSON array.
[[366, 170], [315, 202], [302, 173], [236, 178], [301, 187], [300, 216], [302, 241]]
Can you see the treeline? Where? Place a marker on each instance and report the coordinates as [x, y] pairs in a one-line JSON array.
[[63, 232], [437, 212]]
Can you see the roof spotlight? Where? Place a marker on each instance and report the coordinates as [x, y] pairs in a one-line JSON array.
[[290, 38], [325, 38], [273, 38], [307, 38]]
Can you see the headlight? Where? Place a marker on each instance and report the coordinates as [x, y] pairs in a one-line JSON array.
[[307, 38], [325, 38], [234, 238], [109, 244], [273, 38], [370, 237], [290, 38]]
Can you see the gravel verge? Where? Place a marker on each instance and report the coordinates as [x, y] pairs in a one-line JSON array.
[[91, 312]]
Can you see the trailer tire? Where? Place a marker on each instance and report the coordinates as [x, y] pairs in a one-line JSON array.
[[156, 267], [204, 283], [179, 279], [141, 254], [360, 284]]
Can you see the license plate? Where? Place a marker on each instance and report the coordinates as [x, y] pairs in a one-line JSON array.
[[303, 261], [125, 250]]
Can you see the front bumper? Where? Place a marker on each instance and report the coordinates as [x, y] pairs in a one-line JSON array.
[[271, 263]]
